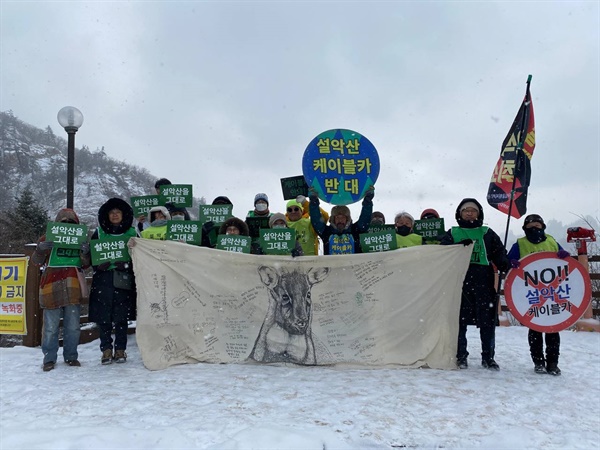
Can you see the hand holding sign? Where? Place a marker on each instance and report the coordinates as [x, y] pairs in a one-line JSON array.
[[45, 246]]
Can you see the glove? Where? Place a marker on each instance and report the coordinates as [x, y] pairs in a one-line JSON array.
[[466, 242], [370, 194], [85, 248], [103, 267], [515, 263], [300, 199], [208, 226], [45, 246], [122, 266], [562, 254]]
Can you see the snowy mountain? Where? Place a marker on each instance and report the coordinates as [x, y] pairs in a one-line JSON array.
[[35, 158]]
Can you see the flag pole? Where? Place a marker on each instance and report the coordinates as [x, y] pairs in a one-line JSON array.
[[524, 126]]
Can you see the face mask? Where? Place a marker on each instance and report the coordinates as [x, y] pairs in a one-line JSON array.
[[377, 221], [261, 207], [177, 217], [279, 226], [535, 235], [403, 230]]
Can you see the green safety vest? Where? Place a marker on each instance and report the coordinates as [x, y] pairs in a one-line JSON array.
[[64, 257], [409, 241], [479, 255], [157, 233], [305, 235], [527, 248]]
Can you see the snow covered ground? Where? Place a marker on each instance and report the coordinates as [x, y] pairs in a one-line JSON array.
[[206, 406]]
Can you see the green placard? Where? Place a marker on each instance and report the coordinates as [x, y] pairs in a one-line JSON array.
[[292, 187], [430, 229], [277, 241], [255, 224], [215, 213], [111, 249], [379, 228], [233, 243], [382, 241], [66, 235], [143, 204], [189, 231], [178, 194]]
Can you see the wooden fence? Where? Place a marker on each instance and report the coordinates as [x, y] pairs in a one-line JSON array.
[[89, 332]]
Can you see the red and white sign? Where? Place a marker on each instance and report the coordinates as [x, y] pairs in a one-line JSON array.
[[546, 293]]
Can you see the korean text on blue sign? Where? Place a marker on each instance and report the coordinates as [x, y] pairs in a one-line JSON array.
[[340, 165]]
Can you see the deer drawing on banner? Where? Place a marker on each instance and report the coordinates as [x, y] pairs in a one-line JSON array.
[[285, 335]]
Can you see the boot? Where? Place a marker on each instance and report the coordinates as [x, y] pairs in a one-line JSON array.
[[490, 364], [120, 356], [107, 357], [462, 362], [553, 369], [539, 365]]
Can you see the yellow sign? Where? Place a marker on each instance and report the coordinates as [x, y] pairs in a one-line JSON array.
[[13, 276]]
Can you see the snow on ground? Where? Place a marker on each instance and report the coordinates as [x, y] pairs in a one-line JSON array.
[[229, 406]]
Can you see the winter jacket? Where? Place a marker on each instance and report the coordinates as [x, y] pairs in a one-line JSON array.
[[350, 234], [479, 290], [107, 303], [60, 286]]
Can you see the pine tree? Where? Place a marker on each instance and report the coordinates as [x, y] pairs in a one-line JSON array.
[[24, 225]]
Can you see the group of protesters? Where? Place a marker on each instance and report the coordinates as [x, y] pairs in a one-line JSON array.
[[112, 297]]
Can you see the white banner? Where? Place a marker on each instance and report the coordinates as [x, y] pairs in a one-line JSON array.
[[197, 304]]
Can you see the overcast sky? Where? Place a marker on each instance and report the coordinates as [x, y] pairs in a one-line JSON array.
[[227, 95]]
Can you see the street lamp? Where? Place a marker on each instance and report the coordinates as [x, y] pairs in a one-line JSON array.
[[70, 118]]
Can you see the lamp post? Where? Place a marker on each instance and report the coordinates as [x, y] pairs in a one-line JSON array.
[[71, 119]]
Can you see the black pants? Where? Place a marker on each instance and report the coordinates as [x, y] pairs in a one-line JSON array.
[[120, 336], [536, 347], [487, 335]]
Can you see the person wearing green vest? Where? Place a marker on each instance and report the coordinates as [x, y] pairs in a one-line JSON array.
[[404, 223], [305, 233], [113, 294], [479, 302], [536, 240], [61, 293], [159, 215]]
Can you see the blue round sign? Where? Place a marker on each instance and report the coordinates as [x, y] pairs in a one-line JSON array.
[[340, 165]]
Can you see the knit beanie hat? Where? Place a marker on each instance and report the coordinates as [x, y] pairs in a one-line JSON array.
[[275, 217], [221, 200], [261, 196], [293, 203], [534, 218], [466, 205]]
